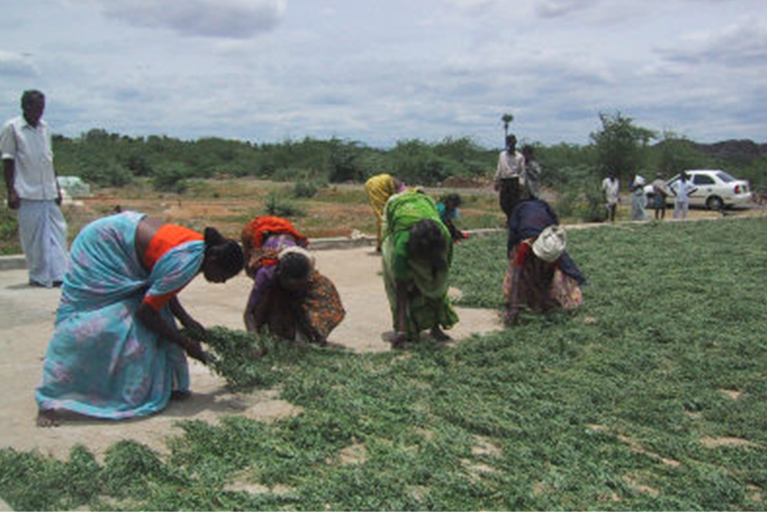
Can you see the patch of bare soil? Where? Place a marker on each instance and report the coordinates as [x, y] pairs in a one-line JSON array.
[[717, 442], [356, 453], [636, 483]]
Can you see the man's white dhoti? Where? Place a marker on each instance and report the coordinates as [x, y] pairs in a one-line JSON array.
[[43, 234]]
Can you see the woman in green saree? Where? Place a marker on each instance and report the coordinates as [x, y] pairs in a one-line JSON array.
[[417, 253]]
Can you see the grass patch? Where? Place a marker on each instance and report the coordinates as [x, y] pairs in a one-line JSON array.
[[611, 407]]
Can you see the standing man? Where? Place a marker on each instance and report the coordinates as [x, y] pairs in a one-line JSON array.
[[509, 176], [682, 201], [611, 191], [33, 191]]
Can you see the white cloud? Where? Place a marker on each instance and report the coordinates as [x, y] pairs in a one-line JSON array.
[[742, 44], [15, 64], [559, 8], [207, 18]]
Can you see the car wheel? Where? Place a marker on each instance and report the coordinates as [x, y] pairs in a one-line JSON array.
[[714, 203]]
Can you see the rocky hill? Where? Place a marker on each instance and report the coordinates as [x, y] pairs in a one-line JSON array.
[[734, 151]]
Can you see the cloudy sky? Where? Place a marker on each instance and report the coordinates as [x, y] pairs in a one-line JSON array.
[[379, 71]]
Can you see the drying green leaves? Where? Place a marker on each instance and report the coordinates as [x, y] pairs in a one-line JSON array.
[[237, 356]]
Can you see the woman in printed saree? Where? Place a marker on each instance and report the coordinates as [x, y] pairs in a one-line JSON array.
[[289, 295], [541, 275], [379, 189], [417, 254], [116, 351]]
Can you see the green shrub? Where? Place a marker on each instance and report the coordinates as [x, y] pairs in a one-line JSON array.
[[9, 231], [305, 189], [171, 178], [282, 207]]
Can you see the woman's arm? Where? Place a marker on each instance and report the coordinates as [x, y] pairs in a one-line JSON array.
[[152, 319], [261, 283], [250, 316], [185, 318]]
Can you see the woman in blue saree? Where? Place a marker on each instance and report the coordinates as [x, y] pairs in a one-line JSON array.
[[116, 351]]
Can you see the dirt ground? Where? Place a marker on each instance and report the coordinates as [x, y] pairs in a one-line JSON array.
[[26, 324]]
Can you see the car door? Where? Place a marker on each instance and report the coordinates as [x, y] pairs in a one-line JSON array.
[[704, 187]]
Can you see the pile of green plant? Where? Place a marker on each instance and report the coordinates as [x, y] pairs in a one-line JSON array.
[[237, 355]]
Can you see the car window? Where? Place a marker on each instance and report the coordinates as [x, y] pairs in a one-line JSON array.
[[702, 179], [724, 177]]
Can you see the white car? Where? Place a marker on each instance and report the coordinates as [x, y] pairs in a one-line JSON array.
[[714, 189]]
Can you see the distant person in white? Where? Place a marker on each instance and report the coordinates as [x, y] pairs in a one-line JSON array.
[[611, 191], [509, 176], [30, 180], [682, 202]]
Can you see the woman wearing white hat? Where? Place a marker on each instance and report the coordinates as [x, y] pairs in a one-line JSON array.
[[638, 199], [541, 275]]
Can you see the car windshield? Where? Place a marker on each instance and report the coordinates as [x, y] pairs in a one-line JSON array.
[[724, 177]]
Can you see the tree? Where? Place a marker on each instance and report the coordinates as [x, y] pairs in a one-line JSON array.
[[621, 146], [675, 154], [507, 119]]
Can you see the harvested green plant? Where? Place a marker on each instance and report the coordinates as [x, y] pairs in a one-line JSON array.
[[236, 355]]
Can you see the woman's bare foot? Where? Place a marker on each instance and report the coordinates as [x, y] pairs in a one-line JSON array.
[[438, 334], [399, 341], [180, 395], [47, 418]]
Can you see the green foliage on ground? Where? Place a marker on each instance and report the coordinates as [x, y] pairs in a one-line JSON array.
[[236, 355], [9, 232], [650, 396]]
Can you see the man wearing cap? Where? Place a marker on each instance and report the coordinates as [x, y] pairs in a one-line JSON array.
[[33, 191], [541, 275]]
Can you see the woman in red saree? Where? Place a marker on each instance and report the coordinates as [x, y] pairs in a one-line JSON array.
[[289, 295]]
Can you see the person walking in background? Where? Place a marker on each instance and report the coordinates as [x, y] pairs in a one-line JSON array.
[[611, 192], [638, 199], [508, 177], [660, 193], [448, 211], [33, 191], [682, 201], [378, 189], [532, 178]]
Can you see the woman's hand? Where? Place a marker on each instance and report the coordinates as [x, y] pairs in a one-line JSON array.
[[197, 328], [194, 349]]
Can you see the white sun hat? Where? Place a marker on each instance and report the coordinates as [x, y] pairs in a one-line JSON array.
[[550, 244]]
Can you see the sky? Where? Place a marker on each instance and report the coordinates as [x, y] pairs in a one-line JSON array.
[[381, 71]]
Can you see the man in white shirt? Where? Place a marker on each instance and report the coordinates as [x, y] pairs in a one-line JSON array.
[[684, 188], [509, 177], [30, 180], [611, 191]]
